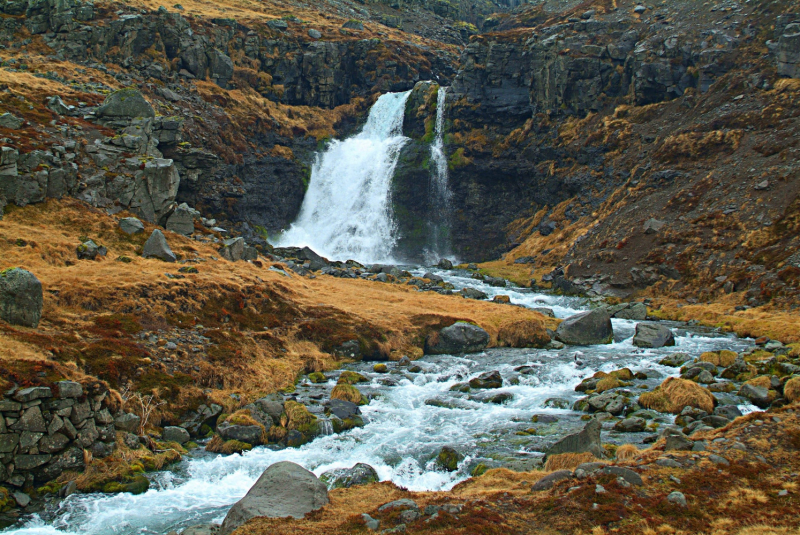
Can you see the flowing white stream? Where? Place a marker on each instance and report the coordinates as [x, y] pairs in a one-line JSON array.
[[346, 213]]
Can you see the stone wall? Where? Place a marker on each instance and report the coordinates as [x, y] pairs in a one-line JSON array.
[[45, 431]]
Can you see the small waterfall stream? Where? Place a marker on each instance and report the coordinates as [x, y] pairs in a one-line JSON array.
[[346, 212], [441, 206]]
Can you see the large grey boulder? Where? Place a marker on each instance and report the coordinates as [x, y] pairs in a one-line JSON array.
[[10, 121], [788, 52], [156, 246], [181, 221], [127, 103], [156, 188], [285, 489], [21, 297], [652, 335], [586, 328], [131, 225], [460, 337], [586, 440]]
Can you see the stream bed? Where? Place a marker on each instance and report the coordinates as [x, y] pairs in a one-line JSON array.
[[411, 416]]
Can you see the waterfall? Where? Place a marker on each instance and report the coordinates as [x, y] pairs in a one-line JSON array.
[[325, 426], [441, 207], [346, 212]]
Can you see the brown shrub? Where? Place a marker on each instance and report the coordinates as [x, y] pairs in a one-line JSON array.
[[719, 358], [627, 452], [347, 393], [674, 394], [523, 333], [568, 461]]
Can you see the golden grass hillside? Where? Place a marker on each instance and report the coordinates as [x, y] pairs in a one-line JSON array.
[[111, 318]]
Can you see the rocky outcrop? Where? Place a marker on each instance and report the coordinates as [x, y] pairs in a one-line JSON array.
[[285, 489]]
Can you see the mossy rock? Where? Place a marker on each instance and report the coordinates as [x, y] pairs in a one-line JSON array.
[[448, 459], [317, 378], [351, 378], [341, 425], [137, 484], [349, 393], [297, 418], [479, 470], [380, 368], [7, 501]]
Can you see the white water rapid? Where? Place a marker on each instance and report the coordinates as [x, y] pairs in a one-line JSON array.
[[346, 213], [441, 208]]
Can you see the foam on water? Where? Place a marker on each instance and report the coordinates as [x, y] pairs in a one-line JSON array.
[[346, 212]]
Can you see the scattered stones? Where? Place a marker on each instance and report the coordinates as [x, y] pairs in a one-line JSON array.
[[156, 247], [586, 328], [285, 489], [652, 335], [21, 297]]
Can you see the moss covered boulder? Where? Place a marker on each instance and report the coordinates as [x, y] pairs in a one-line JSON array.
[[344, 478], [349, 393], [448, 459]]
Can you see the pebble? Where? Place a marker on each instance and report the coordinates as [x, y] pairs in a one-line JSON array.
[[600, 489], [783, 492]]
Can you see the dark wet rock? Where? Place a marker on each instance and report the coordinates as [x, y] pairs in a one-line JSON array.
[[444, 263], [360, 474], [487, 380], [545, 311], [586, 328], [461, 337], [127, 422], [631, 425], [587, 440], [653, 335], [675, 360], [285, 489], [175, 434], [679, 442], [731, 412], [251, 434], [628, 311], [758, 396], [21, 297], [156, 246], [448, 459], [472, 293]]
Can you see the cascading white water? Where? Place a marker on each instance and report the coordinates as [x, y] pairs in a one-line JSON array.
[[441, 206], [346, 212]]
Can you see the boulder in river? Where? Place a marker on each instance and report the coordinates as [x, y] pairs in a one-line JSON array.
[[285, 489], [21, 297], [472, 293], [445, 264], [652, 335], [461, 337], [448, 459], [487, 380], [586, 440], [344, 478], [587, 328]]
